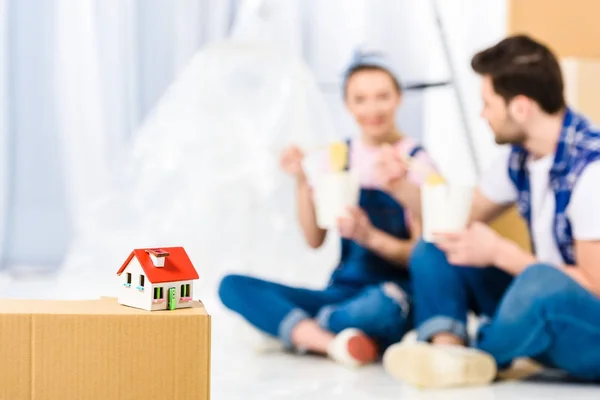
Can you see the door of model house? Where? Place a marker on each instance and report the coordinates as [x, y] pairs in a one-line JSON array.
[[172, 299]]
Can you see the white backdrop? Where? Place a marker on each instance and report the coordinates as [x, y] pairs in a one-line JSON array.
[[4, 172], [79, 77]]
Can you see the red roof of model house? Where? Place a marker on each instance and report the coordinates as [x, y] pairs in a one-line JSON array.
[[177, 265]]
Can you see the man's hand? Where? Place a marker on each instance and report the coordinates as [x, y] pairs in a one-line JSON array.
[[356, 226], [391, 170], [474, 247]]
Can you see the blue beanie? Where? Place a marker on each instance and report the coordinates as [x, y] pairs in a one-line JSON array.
[[368, 59]]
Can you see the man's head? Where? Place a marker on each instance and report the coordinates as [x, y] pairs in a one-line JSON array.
[[521, 79]]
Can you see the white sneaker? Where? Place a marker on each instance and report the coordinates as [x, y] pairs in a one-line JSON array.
[[437, 366], [267, 344], [256, 340], [351, 347]]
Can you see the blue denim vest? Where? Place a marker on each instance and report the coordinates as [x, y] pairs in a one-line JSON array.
[[360, 266], [578, 145]]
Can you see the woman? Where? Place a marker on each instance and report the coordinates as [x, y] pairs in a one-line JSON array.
[[366, 305]]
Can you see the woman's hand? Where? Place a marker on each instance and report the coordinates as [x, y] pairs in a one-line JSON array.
[[390, 169], [291, 162], [356, 226]]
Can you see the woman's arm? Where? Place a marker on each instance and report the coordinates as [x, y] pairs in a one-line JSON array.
[[402, 178], [307, 218], [291, 163], [397, 251], [357, 226], [408, 194]]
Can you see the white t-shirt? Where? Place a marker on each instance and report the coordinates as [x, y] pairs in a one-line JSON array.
[[582, 211]]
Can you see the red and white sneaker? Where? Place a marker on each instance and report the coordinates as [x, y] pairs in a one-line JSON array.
[[351, 347]]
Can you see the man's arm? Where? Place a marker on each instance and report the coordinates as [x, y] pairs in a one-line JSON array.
[[482, 210], [480, 246], [395, 250], [587, 270], [496, 193], [485, 210], [512, 259], [585, 223], [509, 257]]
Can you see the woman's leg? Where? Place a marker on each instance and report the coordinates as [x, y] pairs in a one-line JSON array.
[[281, 311], [382, 312]]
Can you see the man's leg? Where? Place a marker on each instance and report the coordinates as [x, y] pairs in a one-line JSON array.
[[545, 314], [442, 296]]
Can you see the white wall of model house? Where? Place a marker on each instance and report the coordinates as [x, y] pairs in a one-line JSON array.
[[134, 296]]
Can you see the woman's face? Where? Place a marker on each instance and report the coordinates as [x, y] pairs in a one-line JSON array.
[[372, 98]]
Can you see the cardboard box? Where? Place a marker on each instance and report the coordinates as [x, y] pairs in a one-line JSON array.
[[98, 349], [582, 85], [512, 226], [570, 28]]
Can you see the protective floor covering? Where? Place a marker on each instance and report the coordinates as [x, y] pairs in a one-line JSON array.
[[239, 372]]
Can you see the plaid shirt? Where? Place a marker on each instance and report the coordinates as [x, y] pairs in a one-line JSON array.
[[578, 145]]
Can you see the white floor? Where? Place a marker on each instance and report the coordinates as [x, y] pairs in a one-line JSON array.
[[238, 372]]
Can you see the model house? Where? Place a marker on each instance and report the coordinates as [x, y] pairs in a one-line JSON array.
[[157, 279]]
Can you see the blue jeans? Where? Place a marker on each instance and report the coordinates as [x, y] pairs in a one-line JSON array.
[[444, 294], [544, 314], [548, 316], [380, 311]]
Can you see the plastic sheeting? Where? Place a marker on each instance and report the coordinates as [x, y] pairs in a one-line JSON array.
[[203, 172]]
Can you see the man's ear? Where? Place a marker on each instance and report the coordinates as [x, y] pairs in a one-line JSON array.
[[520, 108]]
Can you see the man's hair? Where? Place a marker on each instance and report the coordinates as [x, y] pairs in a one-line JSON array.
[[519, 65]]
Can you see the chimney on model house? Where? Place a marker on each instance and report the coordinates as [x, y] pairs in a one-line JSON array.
[[158, 256]]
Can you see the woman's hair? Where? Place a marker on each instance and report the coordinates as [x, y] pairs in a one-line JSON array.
[[371, 61], [518, 65]]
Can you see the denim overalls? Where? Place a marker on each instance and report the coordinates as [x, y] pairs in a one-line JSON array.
[[365, 291], [361, 267]]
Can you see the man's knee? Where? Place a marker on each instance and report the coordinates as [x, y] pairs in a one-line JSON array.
[[539, 285], [426, 259], [539, 281]]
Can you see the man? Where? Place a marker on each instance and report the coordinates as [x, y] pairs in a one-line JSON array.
[[544, 305]]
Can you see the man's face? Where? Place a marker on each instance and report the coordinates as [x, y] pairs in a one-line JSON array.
[[498, 115]]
